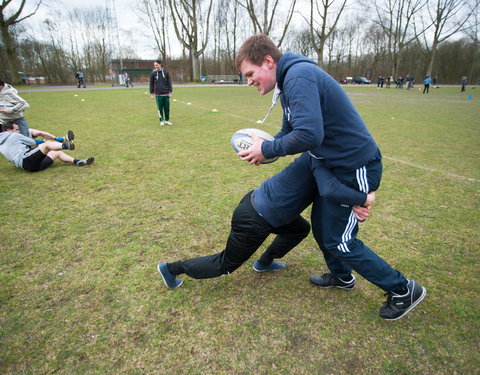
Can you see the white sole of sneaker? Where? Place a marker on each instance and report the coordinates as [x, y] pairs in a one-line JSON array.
[[279, 269], [332, 286]]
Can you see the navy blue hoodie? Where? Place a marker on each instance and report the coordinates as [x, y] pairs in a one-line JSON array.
[[281, 198], [318, 117]]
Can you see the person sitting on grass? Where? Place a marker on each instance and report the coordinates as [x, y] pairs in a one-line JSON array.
[[274, 207], [26, 154]]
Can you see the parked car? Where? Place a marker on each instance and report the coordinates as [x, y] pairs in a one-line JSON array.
[[361, 81], [346, 80]]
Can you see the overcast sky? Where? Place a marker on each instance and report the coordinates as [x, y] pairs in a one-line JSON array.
[[131, 31]]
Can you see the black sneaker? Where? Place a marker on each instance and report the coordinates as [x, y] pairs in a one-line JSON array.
[[397, 305], [327, 280], [87, 161], [68, 140]]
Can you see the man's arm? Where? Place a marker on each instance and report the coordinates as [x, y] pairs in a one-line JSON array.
[[333, 189], [18, 104], [39, 133], [330, 187], [301, 131], [152, 83], [362, 212]]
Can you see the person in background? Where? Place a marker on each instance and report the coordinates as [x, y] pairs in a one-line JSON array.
[[389, 81], [161, 89], [79, 76], [26, 154], [464, 83], [12, 107], [410, 81], [426, 84], [127, 79]]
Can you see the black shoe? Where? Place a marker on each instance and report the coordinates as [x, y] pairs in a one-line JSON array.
[[397, 306], [327, 280], [87, 161], [68, 140]]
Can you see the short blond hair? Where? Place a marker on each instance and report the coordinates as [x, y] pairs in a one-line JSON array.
[[255, 48]]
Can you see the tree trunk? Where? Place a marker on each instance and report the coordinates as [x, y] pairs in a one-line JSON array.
[[11, 56], [195, 67], [431, 60]]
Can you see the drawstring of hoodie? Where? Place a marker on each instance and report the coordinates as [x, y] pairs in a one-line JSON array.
[[276, 95]]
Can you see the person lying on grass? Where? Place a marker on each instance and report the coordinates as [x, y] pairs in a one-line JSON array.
[[274, 207], [26, 154]]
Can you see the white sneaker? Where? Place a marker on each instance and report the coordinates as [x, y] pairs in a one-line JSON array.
[[168, 123], [162, 123]]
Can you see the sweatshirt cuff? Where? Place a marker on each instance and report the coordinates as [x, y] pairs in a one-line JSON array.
[[267, 149]]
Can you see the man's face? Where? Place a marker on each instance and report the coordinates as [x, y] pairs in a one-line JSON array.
[[14, 130], [263, 77], [157, 66]]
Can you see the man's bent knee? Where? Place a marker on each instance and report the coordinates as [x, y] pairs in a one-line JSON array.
[[54, 154]]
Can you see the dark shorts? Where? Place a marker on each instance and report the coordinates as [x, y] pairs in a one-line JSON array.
[[37, 161]]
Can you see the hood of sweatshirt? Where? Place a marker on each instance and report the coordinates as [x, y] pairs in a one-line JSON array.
[[4, 136], [286, 62]]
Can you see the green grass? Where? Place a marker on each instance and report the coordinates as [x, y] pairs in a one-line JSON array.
[[79, 290]]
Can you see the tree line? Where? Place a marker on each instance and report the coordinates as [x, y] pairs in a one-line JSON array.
[[345, 37]]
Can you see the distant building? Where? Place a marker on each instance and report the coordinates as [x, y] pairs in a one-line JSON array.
[[139, 70]]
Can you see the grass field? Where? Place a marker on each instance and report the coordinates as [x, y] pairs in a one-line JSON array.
[[79, 290]]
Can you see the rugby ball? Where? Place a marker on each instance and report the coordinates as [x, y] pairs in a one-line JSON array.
[[242, 141]]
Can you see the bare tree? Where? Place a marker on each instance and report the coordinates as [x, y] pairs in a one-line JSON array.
[[396, 18], [263, 16], [321, 31], [473, 32], [376, 41], [228, 25], [7, 21], [157, 13], [192, 29], [448, 18], [299, 41], [90, 47]]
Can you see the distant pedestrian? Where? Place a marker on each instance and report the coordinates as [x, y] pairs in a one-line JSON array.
[[79, 77], [464, 83], [426, 84], [127, 79], [409, 81], [380, 81], [161, 90], [399, 82], [389, 81]]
